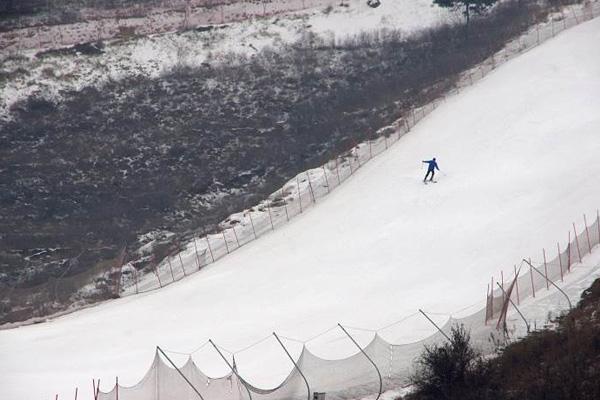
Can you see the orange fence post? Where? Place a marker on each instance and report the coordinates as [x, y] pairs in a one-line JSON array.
[[235, 235], [545, 269], [181, 262], [287, 216], [209, 248], [502, 285], [492, 300], [326, 180], [587, 234], [532, 286], [251, 223], [225, 240], [560, 261], [299, 198], [197, 256], [170, 267], [577, 242], [270, 217], [569, 254], [517, 285]]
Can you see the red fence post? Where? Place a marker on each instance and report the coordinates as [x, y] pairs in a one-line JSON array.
[[299, 198], [569, 254], [209, 248], [487, 303], [225, 240], [171, 267], [587, 234], [545, 269], [251, 223], [135, 278], [492, 299], [560, 261], [517, 285], [326, 180], [598, 223], [181, 262], [502, 285], [270, 216], [235, 236], [577, 242], [287, 216], [532, 286], [157, 275], [197, 256], [312, 193]]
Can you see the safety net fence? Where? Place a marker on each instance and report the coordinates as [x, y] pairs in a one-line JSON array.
[[531, 277], [303, 191], [377, 366]]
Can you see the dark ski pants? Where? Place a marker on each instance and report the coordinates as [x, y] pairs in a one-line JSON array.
[[432, 172]]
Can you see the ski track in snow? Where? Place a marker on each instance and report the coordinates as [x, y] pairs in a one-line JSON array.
[[520, 152]]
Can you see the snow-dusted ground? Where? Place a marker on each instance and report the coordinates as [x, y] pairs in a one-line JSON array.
[[519, 150], [154, 55]]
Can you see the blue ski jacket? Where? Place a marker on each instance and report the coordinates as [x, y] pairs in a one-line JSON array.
[[432, 165]]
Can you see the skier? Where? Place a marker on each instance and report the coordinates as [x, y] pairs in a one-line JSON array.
[[430, 169]]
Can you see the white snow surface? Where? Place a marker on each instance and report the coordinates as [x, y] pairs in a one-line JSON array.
[[520, 155]]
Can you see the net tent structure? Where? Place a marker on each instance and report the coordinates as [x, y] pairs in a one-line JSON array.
[[374, 368]]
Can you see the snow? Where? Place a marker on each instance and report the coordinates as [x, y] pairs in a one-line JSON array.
[[153, 55], [519, 151]]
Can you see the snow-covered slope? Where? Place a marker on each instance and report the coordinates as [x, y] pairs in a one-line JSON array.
[[154, 55], [520, 153]]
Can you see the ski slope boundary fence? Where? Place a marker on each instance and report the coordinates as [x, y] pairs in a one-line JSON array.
[[374, 368], [305, 189]]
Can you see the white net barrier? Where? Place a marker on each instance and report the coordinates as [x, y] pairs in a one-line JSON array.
[[165, 382], [345, 378]]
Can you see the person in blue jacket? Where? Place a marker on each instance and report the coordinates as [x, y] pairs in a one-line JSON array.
[[432, 166]]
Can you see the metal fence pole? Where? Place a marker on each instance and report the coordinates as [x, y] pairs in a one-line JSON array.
[[231, 367], [437, 327], [368, 358], [295, 364], [180, 373], [516, 308], [553, 284]]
